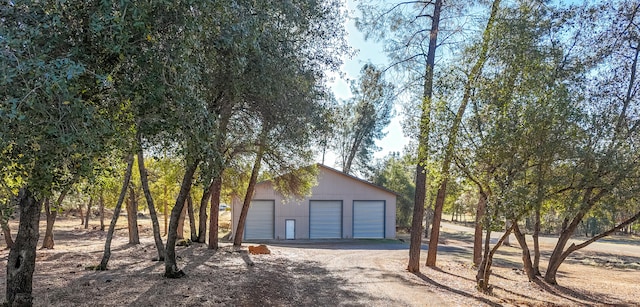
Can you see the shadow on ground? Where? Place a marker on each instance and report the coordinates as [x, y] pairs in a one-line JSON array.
[[607, 260], [227, 277]]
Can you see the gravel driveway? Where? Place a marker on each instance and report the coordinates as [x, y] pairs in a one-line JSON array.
[[372, 269]]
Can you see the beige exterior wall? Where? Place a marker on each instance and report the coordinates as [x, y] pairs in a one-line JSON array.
[[332, 185]]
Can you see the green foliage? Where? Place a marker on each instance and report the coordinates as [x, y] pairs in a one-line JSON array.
[[360, 121], [554, 120], [517, 103], [56, 120], [297, 184], [460, 202], [8, 193], [164, 180], [235, 181], [396, 173], [7, 210], [283, 97]]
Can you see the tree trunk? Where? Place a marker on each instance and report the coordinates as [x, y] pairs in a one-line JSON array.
[[144, 180], [538, 207], [48, 240], [423, 145], [237, 240], [556, 257], [416, 224], [216, 187], [485, 256], [180, 231], [507, 225], [484, 273], [567, 231], [428, 219], [346, 167], [477, 236], [7, 235], [81, 214], [170, 266], [132, 217], [552, 268], [432, 252], [101, 211], [116, 212], [202, 214], [166, 211], [192, 219], [216, 183], [476, 70], [536, 243], [88, 214], [526, 254], [22, 257]]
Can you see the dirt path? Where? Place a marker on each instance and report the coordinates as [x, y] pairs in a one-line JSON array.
[[372, 268]]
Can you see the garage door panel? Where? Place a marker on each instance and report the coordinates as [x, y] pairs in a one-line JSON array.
[[368, 219], [259, 224], [325, 219]]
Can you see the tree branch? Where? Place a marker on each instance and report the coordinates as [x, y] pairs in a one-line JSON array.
[[575, 247], [403, 61], [404, 3]]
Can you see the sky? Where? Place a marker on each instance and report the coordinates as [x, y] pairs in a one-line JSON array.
[[365, 52]]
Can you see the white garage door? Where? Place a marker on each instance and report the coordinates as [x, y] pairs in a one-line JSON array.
[[368, 219], [325, 219], [259, 224]]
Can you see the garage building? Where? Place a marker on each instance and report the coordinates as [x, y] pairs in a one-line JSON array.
[[340, 206]]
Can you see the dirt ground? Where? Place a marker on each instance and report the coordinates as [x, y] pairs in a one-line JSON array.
[[317, 273]]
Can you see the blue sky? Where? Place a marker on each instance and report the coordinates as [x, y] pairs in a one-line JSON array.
[[366, 51]]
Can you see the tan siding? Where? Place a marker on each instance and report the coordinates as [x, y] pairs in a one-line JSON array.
[[332, 185]]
